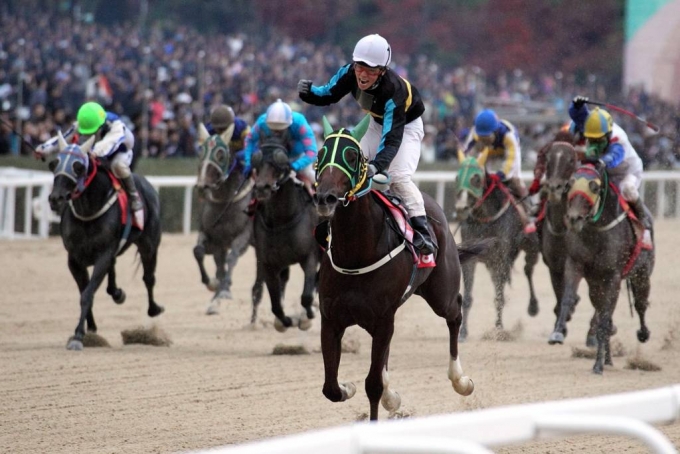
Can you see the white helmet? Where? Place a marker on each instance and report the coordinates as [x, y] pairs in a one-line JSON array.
[[373, 50], [279, 116]]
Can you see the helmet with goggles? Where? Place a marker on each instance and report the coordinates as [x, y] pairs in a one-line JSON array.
[[373, 51]]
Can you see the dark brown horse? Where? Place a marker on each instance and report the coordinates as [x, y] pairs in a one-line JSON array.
[[225, 230], [369, 272], [486, 210], [601, 246]]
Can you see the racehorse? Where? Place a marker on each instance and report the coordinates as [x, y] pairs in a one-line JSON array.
[[486, 210], [93, 232], [603, 247], [283, 226], [369, 271], [225, 229]]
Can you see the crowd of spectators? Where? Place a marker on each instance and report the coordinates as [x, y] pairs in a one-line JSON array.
[[165, 80]]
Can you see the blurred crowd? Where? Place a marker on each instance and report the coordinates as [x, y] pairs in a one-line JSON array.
[[165, 80]]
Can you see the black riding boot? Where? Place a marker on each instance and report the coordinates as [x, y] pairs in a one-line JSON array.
[[136, 205], [421, 235], [639, 209]]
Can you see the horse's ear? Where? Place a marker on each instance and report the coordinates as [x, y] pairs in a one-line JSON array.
[[227, 134], [360, 129], [203, 133], [327, 128], [87, 146], [61, 141], [461, 156]]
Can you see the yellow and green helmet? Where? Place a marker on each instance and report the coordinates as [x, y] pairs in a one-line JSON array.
[[598, 124], [91, 117]]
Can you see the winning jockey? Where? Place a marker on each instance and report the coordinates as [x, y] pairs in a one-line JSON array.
[[292, 129], [221, 118], [608, 143], [113, 142], [497, 141], [395, 133]]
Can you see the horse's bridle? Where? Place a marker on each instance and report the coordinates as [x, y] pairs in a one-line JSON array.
[[357, 176]]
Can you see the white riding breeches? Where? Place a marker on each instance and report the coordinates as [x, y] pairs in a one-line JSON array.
[[403, 165], [120, 164], [630, 187]]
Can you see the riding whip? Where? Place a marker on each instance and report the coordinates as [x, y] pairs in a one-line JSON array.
[[649, 124]]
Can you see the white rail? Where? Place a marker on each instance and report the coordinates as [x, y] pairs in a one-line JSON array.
[[11, 179], [628, 414]]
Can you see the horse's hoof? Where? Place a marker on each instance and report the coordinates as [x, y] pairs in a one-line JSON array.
[[119, 296], [279, 326], [464, 386], [224, 294], [613, 330], [533, 308], [305, 323], [213, 284], [643, 335], [556, 338], [391, 400], [348, 390], [154, 310], [462, 337], [213, 307], [597, 369], [74, 344], [591, 341]]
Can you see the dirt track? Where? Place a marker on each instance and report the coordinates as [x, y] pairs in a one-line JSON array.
[[219, 383]]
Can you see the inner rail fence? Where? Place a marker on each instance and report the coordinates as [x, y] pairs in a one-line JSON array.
[[475, 432], [25, 212]]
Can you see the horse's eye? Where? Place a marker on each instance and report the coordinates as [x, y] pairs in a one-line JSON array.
[[476, 181], [594, 186], [220, 155]]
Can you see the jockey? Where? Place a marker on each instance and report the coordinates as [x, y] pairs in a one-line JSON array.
[[293, 129], [497, 141], [395, 133], [113, 142], [221, 118], [608, 143]]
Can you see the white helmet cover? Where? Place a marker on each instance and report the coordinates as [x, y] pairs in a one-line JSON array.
[[279, 116], [373, 50]]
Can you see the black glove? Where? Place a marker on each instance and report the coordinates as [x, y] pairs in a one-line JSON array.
[[579, 101], [304, 86]]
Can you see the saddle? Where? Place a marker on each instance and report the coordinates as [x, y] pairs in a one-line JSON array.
[[398, 214], [126, 218]]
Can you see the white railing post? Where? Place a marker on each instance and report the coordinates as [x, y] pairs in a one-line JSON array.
[[186, 222], [28, 210]]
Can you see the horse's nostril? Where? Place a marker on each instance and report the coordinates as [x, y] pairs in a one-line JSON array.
[[331, 199]]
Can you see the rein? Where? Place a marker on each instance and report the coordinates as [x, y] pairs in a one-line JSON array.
[[495, 183]]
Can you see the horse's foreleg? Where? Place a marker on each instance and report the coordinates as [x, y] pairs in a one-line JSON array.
[[572, 277], [222, 291], [256, 295], [377, 381], [87, 291], [82, 278], [603, 295], [284, 277], [468, 269], [237, 249], [557, 281], [273, 280], [530, 261], [149, 255], [331, 349], [199, 255], [499, 276], [112, 289], [641, 286], [307, 299]]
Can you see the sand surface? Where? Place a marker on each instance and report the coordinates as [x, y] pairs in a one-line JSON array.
[[220, 384]]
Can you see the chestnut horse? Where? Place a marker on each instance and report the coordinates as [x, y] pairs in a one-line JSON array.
[[369, 270]]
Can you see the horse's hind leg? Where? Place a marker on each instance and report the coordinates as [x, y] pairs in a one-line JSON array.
[[641, 286], [331, 350], [499, 276], [112, 289], [531, 257], [377, 381], [468, 269], [256, 295], [149, 255]]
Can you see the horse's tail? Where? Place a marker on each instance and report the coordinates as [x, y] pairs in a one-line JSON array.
[[469, 250]]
